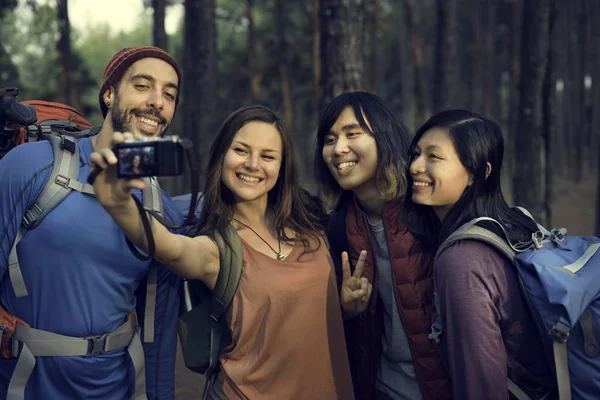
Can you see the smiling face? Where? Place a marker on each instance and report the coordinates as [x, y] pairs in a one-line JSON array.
[[351, 153], [252, 163], [439, 177], [144, 99]]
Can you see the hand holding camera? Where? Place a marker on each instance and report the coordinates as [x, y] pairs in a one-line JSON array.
[[110, 188], [129, 160]]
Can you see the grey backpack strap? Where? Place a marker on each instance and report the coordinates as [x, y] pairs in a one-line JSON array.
[[63, 179], [470, 230], [152, 200], [230, 272]]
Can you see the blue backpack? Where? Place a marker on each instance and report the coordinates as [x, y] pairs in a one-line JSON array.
[[560, 280]]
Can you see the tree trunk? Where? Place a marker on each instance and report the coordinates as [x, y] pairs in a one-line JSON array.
[[530, 183], [199, 105], [489, 76], [596, 98], [446, 78], [64, 51], [420, 87], [515, 73], [373, 51], [562, 141], [342, 56], [159, 34], [286, 98], [253, 64], [591, 148], [316, 50], [574, 94], [549, 117]]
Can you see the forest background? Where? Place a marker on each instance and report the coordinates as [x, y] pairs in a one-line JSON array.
[[531, 65]]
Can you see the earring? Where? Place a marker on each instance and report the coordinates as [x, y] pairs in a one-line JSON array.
[[108, 104]]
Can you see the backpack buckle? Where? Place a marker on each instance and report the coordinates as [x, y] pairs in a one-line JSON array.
[[560, 332], [538, 239], [62, 181], [97, 344], [14, 346], [33, 131], [31, 216], [68, 143], [557, 235]]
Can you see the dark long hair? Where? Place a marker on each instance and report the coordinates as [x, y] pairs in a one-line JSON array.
[[391, 138], [288, 205], [477, 141]]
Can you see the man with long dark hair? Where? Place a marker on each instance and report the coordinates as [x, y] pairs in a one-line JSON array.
[[360, 165]]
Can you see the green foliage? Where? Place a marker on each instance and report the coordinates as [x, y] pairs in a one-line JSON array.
[[6, 6], [37, 61], [97, 46]]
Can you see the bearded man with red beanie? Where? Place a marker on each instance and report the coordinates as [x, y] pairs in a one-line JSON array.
[[97, 323]]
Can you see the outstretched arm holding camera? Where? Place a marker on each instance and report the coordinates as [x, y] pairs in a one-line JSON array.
[[192, 258]]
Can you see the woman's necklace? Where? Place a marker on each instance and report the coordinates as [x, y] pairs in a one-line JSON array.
[[278, 253]]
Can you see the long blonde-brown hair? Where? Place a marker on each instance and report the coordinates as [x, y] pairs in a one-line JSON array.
[[289, 206], [392, 139]]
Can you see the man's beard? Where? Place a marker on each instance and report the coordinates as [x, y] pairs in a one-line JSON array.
[[122, 120]]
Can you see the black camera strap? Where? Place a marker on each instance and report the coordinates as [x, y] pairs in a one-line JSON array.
[[189, 219], [147, 231]]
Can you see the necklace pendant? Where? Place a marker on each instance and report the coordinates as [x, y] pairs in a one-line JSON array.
[[280, 256]]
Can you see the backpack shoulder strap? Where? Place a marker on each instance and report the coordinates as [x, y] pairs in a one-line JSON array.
[[152, 200], [230, 271], [470, 230], [63, 179]]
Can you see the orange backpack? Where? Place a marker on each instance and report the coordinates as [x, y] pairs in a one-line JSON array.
[[52, 118]]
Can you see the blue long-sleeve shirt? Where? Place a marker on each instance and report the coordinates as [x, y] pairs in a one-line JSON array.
[[82, 280]]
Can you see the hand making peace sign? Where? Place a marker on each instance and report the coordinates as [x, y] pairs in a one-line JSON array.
[[356, 290]]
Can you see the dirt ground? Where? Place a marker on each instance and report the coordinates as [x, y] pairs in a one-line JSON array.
[[573, 205]]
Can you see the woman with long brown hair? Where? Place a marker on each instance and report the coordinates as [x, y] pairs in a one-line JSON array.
[[285, 319]]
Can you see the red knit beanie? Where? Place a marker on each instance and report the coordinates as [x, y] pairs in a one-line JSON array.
[[123, 59]]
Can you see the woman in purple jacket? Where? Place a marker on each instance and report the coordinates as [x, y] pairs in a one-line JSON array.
[[488, 332]]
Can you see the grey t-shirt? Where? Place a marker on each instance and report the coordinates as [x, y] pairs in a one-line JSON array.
[[396, 376]]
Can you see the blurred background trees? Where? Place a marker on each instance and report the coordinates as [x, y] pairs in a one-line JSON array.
[[531, 65]]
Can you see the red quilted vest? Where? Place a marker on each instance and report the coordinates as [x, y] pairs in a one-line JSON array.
[[413, 279]]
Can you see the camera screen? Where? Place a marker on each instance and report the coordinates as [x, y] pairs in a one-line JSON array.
[[137, 161]]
